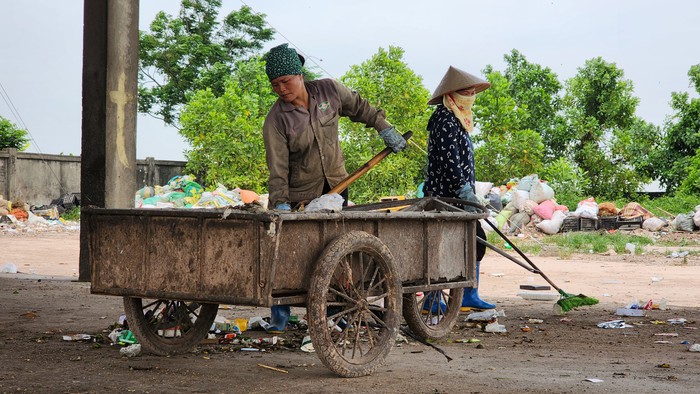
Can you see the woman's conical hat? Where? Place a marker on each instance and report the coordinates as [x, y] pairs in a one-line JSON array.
[[456, 79]]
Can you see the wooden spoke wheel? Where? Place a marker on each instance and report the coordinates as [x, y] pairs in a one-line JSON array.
[[354, 304], [165, 327]]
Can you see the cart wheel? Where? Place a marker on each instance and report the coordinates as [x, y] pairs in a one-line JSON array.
[[432, 315], [165, 327], [354, 304]]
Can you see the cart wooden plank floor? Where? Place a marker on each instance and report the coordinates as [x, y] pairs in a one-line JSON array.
[[357, 272]]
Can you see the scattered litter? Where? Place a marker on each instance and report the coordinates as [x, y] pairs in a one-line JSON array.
[[9, 268], [77, 337], [535, 321], [678, 254], [535, 287], [655, 279], [666, 334], [630, 247], [131, 350], [272, 368], [679, 320], [498, 274], [664, 365], [614, 324], [630, 312], [663, 342], [538, 296], [308, 346], [525, 328], [657, 322], [594, 380], [485, 315], [251, 349], [495, 327], [695, 348]]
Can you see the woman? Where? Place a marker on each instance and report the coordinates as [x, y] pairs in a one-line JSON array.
[[301, 130], [451, 154], [301, 138]]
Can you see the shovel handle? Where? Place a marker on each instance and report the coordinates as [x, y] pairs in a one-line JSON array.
[[365, 167]]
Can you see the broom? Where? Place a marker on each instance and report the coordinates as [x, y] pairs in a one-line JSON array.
[[566, 300]]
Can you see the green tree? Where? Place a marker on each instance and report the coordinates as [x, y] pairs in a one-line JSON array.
[[503, 149], [225, 132], [599, 108], [388, 83], [192, 52], [536, 89], [11, 136], [682, 137]]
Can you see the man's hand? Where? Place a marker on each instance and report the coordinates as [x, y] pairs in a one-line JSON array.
[[392, 139], [283, 206]]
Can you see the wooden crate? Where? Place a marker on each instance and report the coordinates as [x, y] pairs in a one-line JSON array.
[[571, 223], [629, 224], [588, 224], [607, 222]]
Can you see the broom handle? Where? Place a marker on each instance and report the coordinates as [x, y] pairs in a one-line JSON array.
[[523, 255], [365, 167], [506, 255]]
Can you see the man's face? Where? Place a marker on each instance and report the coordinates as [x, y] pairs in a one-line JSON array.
[[288, 87]]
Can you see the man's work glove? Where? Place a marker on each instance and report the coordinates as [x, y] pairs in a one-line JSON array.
[[283, 206], [392, 139], [466, 193]]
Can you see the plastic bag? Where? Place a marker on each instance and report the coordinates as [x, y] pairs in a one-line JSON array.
[[554, 225], [482, 188], [519, 198], [526, 183], [518, 222], [326, 203], [545, 209], [653, 224], [502, 217], [587, 208], [541, 191], [683, 222], [494, 201]]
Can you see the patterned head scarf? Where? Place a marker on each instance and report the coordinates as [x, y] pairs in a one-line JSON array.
[[282, 60]]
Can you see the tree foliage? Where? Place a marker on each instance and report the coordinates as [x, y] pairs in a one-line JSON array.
[[193, 51], [503, 149], [225, 132], [677, 157], [599, 108], [535, 89], [11, 136], [388, 83]]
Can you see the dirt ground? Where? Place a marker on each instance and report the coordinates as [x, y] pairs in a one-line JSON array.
[[44, 302]]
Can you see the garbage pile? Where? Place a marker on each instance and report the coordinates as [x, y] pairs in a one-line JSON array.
[[182, 191], [19, 217], [530, 202]]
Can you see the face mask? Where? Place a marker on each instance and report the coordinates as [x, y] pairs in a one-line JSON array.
[[461, 106]]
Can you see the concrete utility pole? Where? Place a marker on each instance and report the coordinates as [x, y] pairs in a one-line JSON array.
[[110, 81]]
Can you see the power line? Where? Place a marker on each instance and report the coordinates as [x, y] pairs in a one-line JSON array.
[[303, 53], [20, 121]]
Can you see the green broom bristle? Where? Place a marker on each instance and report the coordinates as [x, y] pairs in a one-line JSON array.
[[570, 301]]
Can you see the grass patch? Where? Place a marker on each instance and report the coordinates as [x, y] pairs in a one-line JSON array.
[[597, 242], [72, 214]]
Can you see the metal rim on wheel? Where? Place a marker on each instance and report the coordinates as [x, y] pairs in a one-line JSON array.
[[433, 314], [354, 304], [166, 327]]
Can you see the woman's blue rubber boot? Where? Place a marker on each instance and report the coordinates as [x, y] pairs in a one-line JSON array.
[[432, 305], [471, 299], [279, 317]]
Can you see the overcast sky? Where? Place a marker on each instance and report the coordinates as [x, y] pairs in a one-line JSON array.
[[654, 42]]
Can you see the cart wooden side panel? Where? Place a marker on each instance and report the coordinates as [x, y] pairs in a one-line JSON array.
[[263, 258], [178, 257]]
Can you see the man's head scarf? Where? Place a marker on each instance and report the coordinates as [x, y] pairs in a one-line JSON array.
[[282, 60]]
